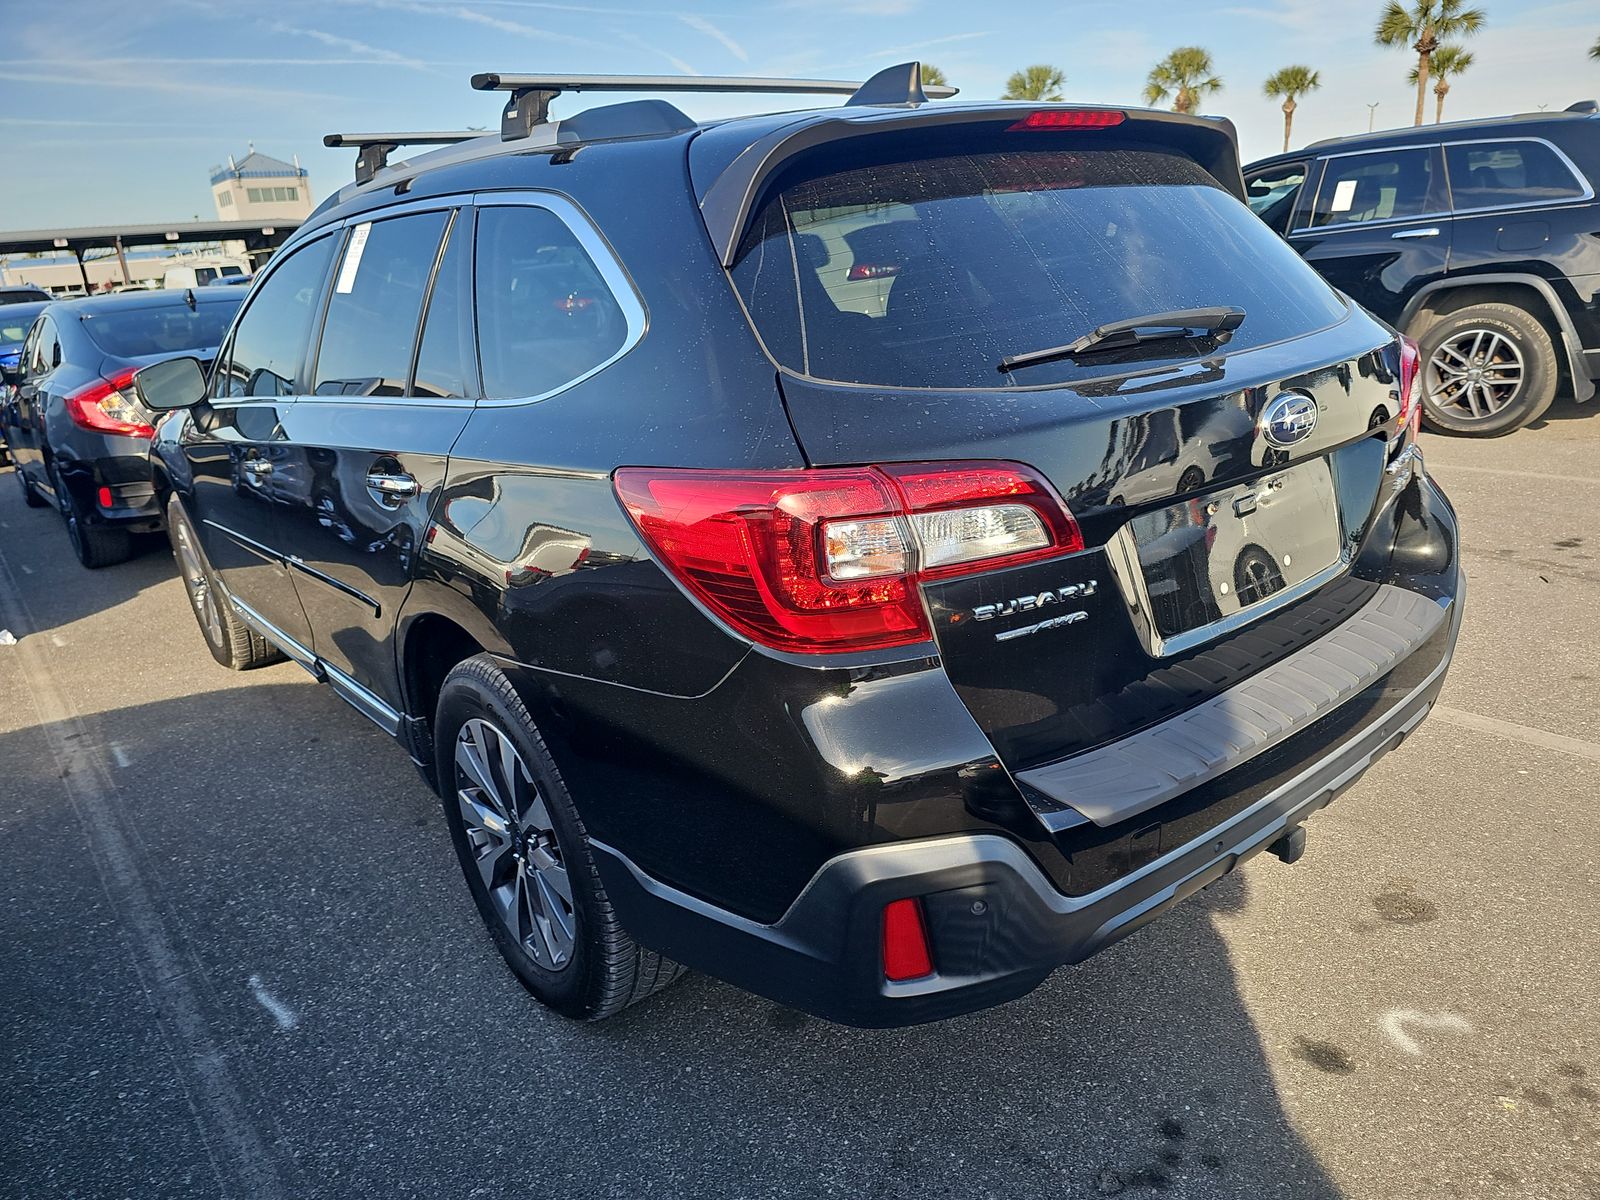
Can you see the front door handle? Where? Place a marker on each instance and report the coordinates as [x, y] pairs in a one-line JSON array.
[[1404, 234], [391, 489]]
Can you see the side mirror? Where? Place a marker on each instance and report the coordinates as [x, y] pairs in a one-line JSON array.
[[171, 384]]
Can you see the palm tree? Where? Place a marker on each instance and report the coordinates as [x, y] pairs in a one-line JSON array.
[[932, 76], [1185, 75], [1422, 27], [1447, 61], [1038, 82], [1594, 50], [1291, 83]]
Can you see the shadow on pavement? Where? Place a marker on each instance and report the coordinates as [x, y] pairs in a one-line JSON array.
[[293, 849]]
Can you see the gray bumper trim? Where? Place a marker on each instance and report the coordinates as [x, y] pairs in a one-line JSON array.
[[1151, 767]]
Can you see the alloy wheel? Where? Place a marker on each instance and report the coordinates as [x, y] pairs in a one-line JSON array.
[[198, 584], [513, 843], [1474, 373]]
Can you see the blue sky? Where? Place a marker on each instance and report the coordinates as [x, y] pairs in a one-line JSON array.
[[115, 111]]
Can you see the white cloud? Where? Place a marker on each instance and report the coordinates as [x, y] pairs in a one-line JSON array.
[[694, 21]]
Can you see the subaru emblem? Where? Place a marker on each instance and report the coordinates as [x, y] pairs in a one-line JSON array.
[[1289, 419]]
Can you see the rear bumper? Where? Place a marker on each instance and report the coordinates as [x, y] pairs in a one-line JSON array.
[[126, 478], [997, 924]]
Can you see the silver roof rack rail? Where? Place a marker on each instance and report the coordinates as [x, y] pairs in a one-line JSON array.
[[531, 95], [374, 148]]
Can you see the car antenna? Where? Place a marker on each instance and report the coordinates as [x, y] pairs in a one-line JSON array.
[[529, 104], [373, 149]]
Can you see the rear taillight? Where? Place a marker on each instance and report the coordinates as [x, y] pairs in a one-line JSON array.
[[108, 406], [1410, 415], [827, 560], [905, 942], [1069, 118]]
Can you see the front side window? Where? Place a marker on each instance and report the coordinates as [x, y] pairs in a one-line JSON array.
[[271, 338], [1271, 194], [546, 315], [376, 305], [927, 273], [1496, 174], [1382, 186]]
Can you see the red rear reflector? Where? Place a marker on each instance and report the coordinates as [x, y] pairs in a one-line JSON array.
[[105, 498], [1410, 415], [905, 942], [827, 560], [1069, 118]]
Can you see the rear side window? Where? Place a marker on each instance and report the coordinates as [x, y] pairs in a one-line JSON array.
[[46, 354], [1379, 187], [545, 314], [1492, 174], [272, 336], [928, 273], [168, 329], [376, 306]]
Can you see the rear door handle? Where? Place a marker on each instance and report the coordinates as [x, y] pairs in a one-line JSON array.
[[1404, 234], [391, 488], [257, 466]]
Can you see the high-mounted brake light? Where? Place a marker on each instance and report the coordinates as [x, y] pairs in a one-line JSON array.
[[108, 406], [827, 560], [860, 271], [1069, 118], [905, 942], [1410, 415]]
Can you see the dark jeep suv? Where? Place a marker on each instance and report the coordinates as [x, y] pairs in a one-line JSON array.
[[1477, 238], [875, 555]]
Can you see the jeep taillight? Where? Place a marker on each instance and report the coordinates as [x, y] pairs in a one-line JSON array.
[[108, 406], [830, 559], [1410, 416]]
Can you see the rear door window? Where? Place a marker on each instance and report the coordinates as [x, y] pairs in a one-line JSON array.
[[928, 273], [1497, 174], [269, 345], [444, 359], [546, 315], [376, 306], [1381, 186]]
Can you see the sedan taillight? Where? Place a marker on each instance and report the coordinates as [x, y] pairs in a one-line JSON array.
[[827, 560], [108, 406]]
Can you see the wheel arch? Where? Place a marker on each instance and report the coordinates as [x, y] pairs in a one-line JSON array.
[[1445, 296]]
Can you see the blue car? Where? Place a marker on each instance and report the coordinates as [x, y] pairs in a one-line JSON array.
[[15, 320]]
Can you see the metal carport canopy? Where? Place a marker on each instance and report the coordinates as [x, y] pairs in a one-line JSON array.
[[257, 235]]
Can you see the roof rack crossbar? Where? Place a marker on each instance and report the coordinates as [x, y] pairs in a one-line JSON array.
[[373, 149], [531, 95]]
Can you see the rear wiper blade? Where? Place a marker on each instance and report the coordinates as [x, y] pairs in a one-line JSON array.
[[1116, 335]]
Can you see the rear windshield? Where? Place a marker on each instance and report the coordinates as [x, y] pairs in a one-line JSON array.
[[928, 273], [170, 328]]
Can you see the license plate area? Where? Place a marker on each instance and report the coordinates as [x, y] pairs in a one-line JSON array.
[[1193, 570]]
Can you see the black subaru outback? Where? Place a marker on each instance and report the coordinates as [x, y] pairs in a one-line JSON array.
[[875, 555], [1477, 238]]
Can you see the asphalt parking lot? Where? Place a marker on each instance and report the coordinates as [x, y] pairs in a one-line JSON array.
[[238, 960]]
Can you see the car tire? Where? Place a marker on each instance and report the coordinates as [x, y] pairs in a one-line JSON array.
[[1515, 356], [29, 497], [535, 883], [94, 547], [231, 642]]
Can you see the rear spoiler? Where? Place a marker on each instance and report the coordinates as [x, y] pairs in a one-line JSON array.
[[736, 194]]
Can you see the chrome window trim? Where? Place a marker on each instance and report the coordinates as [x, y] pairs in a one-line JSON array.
[[1578, 177], [605, 259]]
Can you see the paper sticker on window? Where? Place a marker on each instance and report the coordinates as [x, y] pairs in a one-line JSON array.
[[352, 258], [1343, 196]]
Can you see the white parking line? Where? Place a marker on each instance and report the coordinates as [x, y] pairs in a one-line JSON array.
[[118, 753], [1519, 733], [1445, 468], [240, 1156]]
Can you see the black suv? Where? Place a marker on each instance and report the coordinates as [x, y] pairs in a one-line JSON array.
[[875, 555], [1476, 238]]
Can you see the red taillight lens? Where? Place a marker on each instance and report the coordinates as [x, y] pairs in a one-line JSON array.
[[1069, 118], [1410, 416], [905, 942], [828, 560], [109, 407]]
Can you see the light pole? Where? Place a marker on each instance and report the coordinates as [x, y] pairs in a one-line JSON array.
[[1372, 113]]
